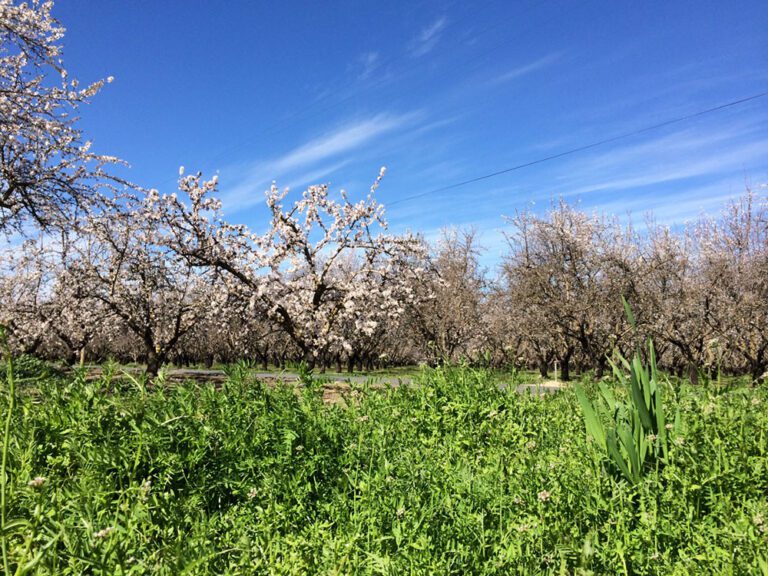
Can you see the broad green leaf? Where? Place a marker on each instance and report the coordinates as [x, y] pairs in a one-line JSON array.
[[612, 447], [638, 402], [628, 312], [608, 396], [624, 361], [763, 565], [641, 375], [628, 440], [593, 424], [652, 360]]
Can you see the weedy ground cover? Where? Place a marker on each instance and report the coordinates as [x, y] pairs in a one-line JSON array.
[[451, 476]]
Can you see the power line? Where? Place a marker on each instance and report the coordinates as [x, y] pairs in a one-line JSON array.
[[582, 148]]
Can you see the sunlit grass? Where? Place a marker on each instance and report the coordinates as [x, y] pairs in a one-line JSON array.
[[450, 476]]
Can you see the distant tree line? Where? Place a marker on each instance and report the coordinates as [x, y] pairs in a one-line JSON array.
[[107, 269], [163, 283]]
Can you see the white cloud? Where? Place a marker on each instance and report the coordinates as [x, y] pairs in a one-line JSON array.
[[677, 175], [428, 38], [677, 207], [709, 164], [249, 191], [340, 140], [521, 71], [368, 62], [677, 146], [315, 176], [308, 162], [700, 152]]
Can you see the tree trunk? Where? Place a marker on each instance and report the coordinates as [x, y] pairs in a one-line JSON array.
[[693, 373], [600, 369], [565, 365], [309, 360], [757, 371], [543, 367], [72, 357], [154, 362], [264, 356]]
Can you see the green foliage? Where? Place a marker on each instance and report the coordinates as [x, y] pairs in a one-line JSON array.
[[636, 436], [450, 476], [27, 367]]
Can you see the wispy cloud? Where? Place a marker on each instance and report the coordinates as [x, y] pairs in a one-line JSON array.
[[428, 38], [677, 157], [341, 140], [314, 176], [678, 207], [679, 144], [707, 165], [526, 69], [367, 64], [309, 162], [677, 175]]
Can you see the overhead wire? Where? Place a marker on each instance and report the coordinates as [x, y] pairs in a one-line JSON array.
[[581, 148]]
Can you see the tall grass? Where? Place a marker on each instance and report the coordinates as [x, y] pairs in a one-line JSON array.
[[9, 409], [449, 476]]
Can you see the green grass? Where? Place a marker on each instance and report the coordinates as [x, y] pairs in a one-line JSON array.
[[452, 476]]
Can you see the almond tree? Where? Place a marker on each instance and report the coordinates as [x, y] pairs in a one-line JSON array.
[[371, 315], [447, 316], [527, 330], [233, 331], [292, 270], [75, 319], [618, 256], [502, 338], [23, 284], [567, 273], [157, 295], [735, 269], [43, 301], [549, 270], [673, 299], [47, 171], [70, 314]]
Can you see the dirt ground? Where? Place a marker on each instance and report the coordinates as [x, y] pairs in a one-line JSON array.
[[334, 392]]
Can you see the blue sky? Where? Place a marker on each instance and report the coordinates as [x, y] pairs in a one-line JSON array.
[[439, 92]]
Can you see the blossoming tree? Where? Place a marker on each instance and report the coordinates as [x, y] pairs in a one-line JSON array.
[[158, 295], [294, 270], [47, 171]]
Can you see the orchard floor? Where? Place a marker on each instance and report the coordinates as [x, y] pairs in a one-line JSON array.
[[337, 387], [451, 474]]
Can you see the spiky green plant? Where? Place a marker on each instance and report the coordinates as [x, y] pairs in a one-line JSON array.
[[636, 435]]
